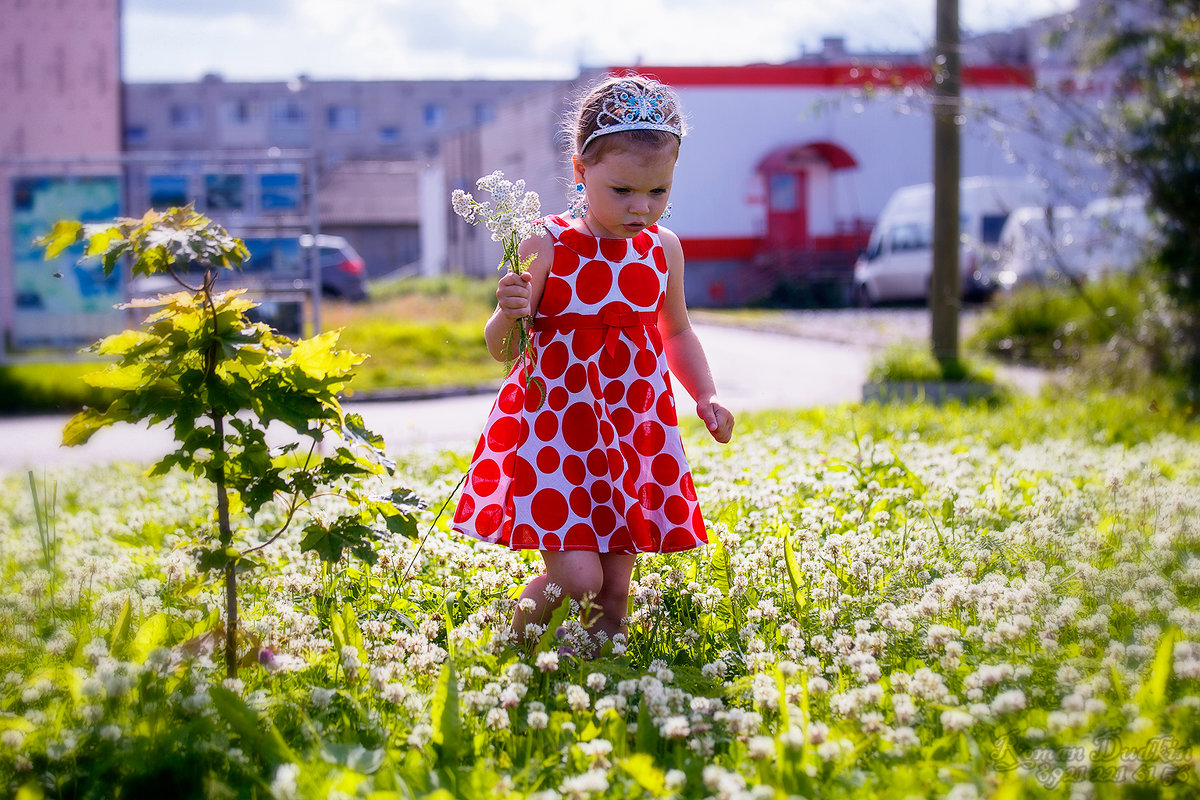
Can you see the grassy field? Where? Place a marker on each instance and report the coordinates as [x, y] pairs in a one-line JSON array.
[[418, 334], [897, 601]]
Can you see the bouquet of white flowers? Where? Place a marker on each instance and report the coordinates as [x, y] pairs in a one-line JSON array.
[[512, 215]]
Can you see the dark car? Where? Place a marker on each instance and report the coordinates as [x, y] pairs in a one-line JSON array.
[[343, 273], [280, 263]]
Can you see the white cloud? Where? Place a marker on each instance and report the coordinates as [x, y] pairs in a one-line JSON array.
[[278, 39]]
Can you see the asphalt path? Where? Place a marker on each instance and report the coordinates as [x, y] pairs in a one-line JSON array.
[[754, 370]]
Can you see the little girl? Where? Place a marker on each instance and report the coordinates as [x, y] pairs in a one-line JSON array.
[[581, 459]]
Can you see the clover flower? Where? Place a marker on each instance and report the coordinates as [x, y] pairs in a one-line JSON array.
[[594, 781], [577, 698]]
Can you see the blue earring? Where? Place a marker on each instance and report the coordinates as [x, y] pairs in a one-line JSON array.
[[578, 204], [666, 213]]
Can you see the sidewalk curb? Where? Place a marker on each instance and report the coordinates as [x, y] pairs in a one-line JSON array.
[[419, 393]]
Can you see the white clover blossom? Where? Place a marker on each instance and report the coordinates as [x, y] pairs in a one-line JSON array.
[[322, 697], [577, 698], [594, 781], [512, 215]]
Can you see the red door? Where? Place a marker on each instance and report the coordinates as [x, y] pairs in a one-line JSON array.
[[787, 210]]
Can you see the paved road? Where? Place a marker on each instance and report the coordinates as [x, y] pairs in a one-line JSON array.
[[754, 370]]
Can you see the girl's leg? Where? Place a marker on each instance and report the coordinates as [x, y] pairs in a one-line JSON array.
[[613, 599], [577, 574]]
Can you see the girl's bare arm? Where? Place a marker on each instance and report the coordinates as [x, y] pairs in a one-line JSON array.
[[685, 355], [517, 296]]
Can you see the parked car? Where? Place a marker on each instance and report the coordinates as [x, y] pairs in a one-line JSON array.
[[343, 272], [280, 264], [1119, 234], [898, 261], [1039, 244]]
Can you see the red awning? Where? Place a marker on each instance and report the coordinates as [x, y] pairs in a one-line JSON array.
[[794, 157]]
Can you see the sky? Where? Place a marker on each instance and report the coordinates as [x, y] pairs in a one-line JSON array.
[[182, 40]]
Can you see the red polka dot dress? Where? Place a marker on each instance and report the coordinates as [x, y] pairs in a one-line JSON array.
[[590, 457]]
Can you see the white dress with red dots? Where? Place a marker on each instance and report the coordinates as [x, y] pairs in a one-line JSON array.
[[589, 457]]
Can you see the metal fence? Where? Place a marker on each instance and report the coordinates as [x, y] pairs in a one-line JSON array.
[[49, 308]]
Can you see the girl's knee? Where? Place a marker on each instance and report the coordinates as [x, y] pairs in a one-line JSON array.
[[614, 600], [578, 579]]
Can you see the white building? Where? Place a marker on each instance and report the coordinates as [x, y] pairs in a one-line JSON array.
[[787, 166]]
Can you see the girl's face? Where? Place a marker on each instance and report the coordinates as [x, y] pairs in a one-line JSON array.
[[627, 190]]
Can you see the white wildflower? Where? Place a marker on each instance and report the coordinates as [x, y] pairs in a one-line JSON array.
[[420, 736], [577, 698], [322, 697], [594, 781], [675, 727], [955, 720], [283, 785], [761, 747]]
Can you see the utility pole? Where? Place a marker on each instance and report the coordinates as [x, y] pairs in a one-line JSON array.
[[945, 291]]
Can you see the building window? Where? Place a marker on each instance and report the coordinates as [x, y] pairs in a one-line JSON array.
[[187, 117], [342, 118], [279, 192], [783, 192], [288, 112], [135, 134], [435, 115], [167, 191], [389, 134], [224, 192], [239, 112], [484, 113]]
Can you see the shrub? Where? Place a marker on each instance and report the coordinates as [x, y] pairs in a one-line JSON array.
[[907, 360], [1114, 332]]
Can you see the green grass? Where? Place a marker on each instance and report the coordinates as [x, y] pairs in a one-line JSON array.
[[897, 601], [48, 386], [416, 333], [421, 333]]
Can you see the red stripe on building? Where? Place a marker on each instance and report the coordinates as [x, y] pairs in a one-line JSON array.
[[732, 249], [830, 75]]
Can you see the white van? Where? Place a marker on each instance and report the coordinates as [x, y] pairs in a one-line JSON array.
[[1119, 234], [1040, 244], [898, 261]]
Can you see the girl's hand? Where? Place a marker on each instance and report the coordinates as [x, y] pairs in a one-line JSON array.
[[717, 418], [513, 295]]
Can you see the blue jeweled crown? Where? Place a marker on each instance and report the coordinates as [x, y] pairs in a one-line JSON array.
[[630, 106]]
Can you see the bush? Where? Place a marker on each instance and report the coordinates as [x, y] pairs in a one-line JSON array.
[[907, 360], [1115, 333]]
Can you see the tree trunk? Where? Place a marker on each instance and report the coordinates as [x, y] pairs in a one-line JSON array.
[[226, 532], [945, 290]]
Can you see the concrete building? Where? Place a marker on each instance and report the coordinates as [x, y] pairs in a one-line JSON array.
[[60, 91], [370, 140]]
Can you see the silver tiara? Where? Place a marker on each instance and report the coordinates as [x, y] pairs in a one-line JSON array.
[[633, 107]]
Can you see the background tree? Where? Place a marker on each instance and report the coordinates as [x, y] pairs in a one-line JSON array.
[[1157, 111]]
